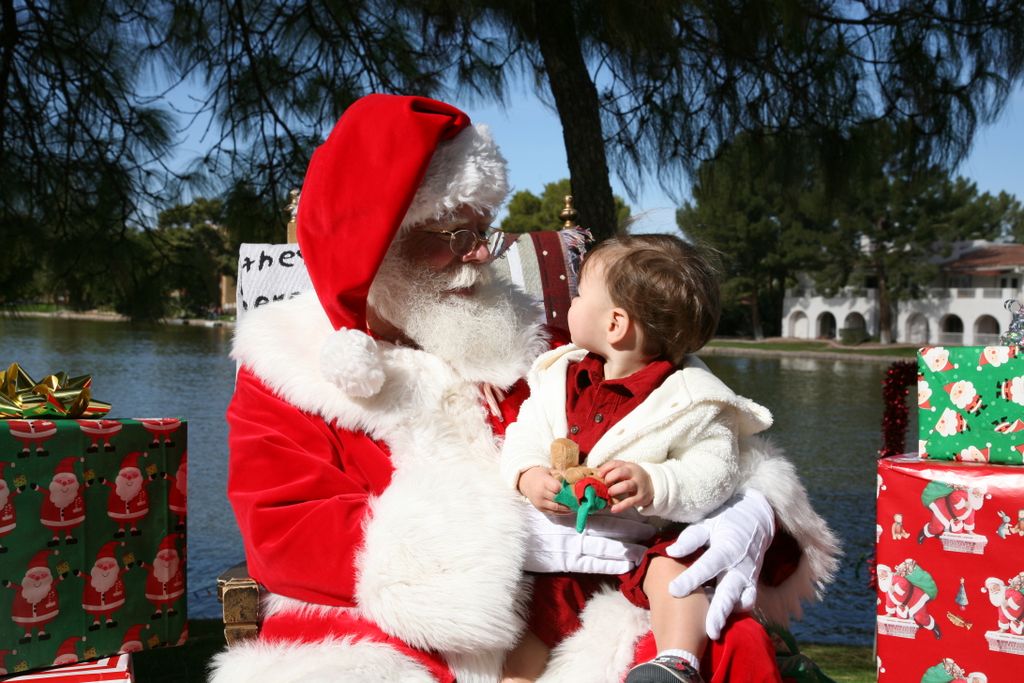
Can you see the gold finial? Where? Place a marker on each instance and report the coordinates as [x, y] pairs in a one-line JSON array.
[[568, 214], [293, 209]]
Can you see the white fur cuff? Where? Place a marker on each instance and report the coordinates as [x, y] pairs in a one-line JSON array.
[[349, 359]]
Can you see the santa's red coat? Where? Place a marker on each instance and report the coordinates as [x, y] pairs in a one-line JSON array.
[[55, 518], [121, 510], [102, 603], [163, 592], [8, 518], [338, 471], [35, 615]]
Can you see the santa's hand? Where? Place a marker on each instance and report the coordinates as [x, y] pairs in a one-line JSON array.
[[737, 536], [492, 397]]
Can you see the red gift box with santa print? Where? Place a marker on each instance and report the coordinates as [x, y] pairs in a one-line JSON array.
[[92, 538], [950, 571]]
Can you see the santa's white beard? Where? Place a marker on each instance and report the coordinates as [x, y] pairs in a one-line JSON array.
[[34, 593], [62, 496], [165, 570], [127, 489], [102, 581], [488, 335]]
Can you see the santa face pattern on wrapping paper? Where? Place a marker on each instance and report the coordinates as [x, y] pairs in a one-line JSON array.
[[165, 585], [937, 359], [950, 423], [128, 501], [924, 394], [965, 397], [997, 355]]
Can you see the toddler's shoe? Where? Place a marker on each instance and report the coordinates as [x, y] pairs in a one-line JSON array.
[[664, 669]]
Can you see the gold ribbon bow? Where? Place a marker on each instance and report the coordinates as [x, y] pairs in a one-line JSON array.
[[55, 395]]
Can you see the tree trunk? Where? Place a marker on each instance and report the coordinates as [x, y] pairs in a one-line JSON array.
[[578, 108], [884, 309], [755, 313]]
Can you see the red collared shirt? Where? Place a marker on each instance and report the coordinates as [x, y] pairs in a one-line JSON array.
[[593, 405]]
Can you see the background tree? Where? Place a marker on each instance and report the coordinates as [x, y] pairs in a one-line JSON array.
[[766, 221], [195, 253], [528, 213], [80, 146], [768, 207], [657, 91]]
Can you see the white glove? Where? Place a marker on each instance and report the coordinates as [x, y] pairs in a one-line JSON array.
[[737, 536]]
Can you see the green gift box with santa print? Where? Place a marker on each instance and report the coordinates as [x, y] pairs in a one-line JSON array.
[[971, 403], [92, 538]]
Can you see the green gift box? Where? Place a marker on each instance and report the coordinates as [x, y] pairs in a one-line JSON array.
[[971, 403], [92, 538]]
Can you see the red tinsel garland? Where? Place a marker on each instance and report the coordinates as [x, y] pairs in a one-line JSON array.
[[895, 389]]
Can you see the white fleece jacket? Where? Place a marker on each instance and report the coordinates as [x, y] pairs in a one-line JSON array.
[[685, 435]]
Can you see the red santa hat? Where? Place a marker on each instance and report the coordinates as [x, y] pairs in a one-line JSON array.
[[67, 653], [132, 641], [40, 559], [391, 162], [66, 466], [169, 542], [131, 460], [108, 550], [926, 350]]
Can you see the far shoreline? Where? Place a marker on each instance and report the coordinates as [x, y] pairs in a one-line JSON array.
[[773, 347]]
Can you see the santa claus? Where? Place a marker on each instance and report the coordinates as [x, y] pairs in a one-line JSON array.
[[128, 502], [363, 459], [8, 513], [177, 495], [910, 590], [1008, 600], [953, 507], [35, 599], [166, 581], [104, 593], [63, 508]]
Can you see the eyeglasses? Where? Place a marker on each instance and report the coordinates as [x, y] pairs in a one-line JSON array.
[[464, 242]]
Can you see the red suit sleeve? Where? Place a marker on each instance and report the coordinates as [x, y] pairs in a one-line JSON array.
[[299, 489]]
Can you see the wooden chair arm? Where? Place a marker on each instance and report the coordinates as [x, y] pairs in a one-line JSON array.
[[239, 595]]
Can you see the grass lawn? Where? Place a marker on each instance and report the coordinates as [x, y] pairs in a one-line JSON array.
[[823, 346], [187, 664]]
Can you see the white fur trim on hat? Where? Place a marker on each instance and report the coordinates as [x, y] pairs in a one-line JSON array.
[[467, 170], [350, 360]]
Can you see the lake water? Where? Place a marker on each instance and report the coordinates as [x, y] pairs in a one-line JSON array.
[[827, 417]]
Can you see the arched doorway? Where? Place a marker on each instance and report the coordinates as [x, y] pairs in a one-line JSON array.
[[854, 329], [826, 326], [986, 331], [917, 329], [799, 326], [951, 330]]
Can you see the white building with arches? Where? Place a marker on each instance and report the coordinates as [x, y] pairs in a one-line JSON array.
[[964, 307]]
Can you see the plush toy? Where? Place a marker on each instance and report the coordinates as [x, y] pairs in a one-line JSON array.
[[583, 491]]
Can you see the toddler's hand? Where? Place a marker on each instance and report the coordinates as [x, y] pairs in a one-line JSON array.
[[541, 487], [628, 483]]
